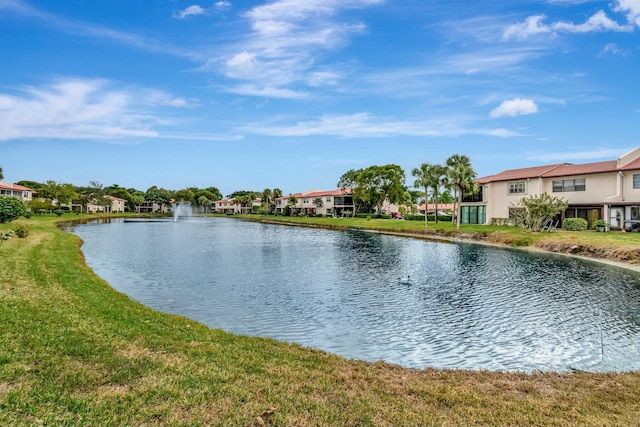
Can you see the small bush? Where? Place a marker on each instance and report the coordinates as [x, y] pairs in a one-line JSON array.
[[22, 230], [575, 224], [28, 214]]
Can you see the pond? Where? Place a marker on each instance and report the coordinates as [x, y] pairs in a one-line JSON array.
[[466, 306]]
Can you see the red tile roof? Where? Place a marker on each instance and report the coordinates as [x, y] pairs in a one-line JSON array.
[[558, 170], [634, 164], [584, 169], [16, 187], [510, 175]]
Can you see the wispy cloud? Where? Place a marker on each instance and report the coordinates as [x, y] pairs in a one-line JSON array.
[[365, 125], [514, 107], [87, 109], [287, 38], [87, 29], [534, 25], [195, 10]]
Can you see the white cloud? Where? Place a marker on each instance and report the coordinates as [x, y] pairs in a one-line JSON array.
[[285, 40], [533, 25], [222, 5], [189, 11], [85, 109], [613, 49], [365, 125], [631, 8], [515, 107], [195, 10]]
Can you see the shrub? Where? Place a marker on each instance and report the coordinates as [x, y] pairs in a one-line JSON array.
[[575, 224], [10, 209], [599, 223], [22, 230], [28, 214]]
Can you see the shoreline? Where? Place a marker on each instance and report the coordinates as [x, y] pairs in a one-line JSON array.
[[467, 239]]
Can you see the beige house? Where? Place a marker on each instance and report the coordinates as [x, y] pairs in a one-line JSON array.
[[318, 202], [608, 190], [230, 206], [13, 190]]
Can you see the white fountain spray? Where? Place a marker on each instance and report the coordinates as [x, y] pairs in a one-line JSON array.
[[181, 209]]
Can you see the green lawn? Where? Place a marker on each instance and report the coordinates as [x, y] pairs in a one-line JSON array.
[[75, 352]]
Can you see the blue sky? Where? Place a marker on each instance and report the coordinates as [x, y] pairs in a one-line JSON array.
[[293, 93]]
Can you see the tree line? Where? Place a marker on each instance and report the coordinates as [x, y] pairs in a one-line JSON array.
[[371, 186], [52, 195]]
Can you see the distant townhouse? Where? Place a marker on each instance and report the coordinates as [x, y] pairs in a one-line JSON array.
[[225, 206], [232, 206], [13, 190], [149, 206], [318, 202], [608, 190]]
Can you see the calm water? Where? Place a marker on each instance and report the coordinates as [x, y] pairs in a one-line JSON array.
[[467, 306]]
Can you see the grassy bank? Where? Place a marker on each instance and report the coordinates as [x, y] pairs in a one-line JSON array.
[[75, 352]]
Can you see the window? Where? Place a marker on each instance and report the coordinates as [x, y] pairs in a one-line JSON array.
[[328, 199], [305, 201], [516, 187], [636, 181], [473, 214], [569, 185]]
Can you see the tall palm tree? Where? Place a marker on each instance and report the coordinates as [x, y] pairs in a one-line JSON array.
[[463, 178], [275, 194], [451, 163], [423, 180], [1, 174], [429, 177], [266, 196]]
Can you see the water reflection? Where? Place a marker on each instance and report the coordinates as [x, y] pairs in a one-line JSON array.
[[467, 306]]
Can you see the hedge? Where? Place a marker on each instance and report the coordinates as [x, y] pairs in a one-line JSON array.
[[575, 224]]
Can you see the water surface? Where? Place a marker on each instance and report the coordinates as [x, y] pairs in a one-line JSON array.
[[468, 306]]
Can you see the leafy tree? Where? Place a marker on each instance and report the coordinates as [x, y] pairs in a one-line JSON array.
[[137, 198], [317, 202], [239, 193], [158, 195], [185, 195], [1, 173], [276, 192], [217, 195], [36, 186], [462, 178], [11, 208], [40, 204], [532, 212], [60, 193], [374, 185]]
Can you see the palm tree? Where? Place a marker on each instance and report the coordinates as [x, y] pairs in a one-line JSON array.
[[1, 174], [452, 162], [266, 196], [423, 175], [275, 194], [463, 178], [429, 176]]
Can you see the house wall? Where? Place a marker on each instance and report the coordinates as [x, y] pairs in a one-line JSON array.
[[629, 193], [598, 188]]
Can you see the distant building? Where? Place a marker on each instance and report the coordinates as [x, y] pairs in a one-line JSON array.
[[13, 190]]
